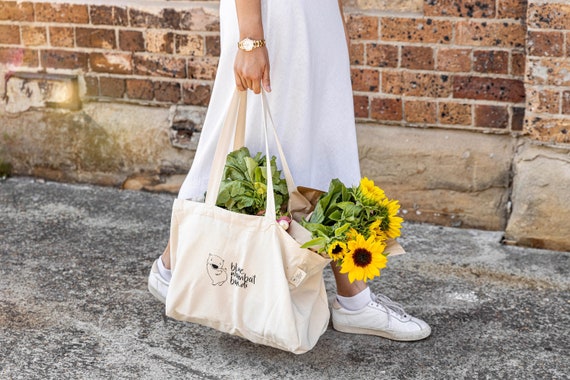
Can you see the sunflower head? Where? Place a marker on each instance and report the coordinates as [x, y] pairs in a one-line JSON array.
[[336, 250], [370, 192], [364, 258], [394, 227], [376, 229]]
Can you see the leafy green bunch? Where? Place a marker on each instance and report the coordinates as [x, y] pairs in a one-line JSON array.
[[244, 185]]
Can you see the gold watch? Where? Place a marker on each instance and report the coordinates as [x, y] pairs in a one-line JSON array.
[[248, 44]]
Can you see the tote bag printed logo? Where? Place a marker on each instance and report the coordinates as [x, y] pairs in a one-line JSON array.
[[216, 270], [219, 275]]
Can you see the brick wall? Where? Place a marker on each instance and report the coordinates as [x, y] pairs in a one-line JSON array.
[[548, 74], [439, 63], [122, 53], [458, 64]]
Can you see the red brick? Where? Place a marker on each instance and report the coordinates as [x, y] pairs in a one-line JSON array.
[[92, 86], [416, 30], [498, 89], [108, 15], [157, 65], [116, 63], [63, 13], [140, 89], [356, 54], [167, 19], [61, 37], [167, 92], [491, 61], [362, 27], [455, 113], [196, 94], [491, 116], [484, 33], [518, 119], [131, 40], [95, 38], [549, 16], [213, 46], [365, 80], [203, 68], [190, 45], [543, 101], [16, 11], [361, 107], [112, 87], [465, 8], [199, 20], [512, 9], [60, 59], [18, 57], [378, 55], [417, 58], [416, 84], [34, 35], [566, 102], [386, 109], [454, 60], [549, 71], [518, 63], [9, 34], [545, 44], [420, 112]]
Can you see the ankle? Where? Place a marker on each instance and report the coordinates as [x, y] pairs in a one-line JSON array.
[[355, 302], [164, 272]]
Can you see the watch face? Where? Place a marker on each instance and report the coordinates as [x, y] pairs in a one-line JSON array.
[[248, 44]]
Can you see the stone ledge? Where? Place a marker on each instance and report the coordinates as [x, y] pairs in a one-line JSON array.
[[448, 177], [540, 197]]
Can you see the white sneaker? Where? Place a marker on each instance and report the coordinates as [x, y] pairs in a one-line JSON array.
[[382, 317], [157, 285]]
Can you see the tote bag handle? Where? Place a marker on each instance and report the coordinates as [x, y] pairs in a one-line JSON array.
[[234, 126]]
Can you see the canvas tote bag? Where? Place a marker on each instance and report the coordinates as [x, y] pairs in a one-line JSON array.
[[244, 274]]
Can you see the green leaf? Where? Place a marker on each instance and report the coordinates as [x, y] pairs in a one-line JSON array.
[[315, 242]]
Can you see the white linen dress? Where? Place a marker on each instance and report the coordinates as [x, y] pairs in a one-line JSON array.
[[311, 98]]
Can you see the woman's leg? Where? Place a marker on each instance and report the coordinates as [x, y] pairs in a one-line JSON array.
[[343, 286]]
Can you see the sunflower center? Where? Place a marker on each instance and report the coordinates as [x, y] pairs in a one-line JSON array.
[[362, 257], [337, 249]]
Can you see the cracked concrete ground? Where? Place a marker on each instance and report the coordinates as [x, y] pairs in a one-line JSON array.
[[74, 304]]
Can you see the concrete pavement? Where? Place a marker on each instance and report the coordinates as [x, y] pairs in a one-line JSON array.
[[74, 305]]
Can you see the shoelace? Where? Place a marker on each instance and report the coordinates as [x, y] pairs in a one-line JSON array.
[[385, 301]]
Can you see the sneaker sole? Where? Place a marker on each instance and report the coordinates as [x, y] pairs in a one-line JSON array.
[[384, 334]]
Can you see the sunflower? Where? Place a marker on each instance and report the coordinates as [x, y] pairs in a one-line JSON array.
[[371, 192], [364, 258], [336, 250], [376, 230], [394, 221], [394, 227]]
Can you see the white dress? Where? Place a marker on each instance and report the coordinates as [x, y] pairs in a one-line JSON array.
[[311, 98]]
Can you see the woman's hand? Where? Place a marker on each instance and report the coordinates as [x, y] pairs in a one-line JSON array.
[[251, 69]]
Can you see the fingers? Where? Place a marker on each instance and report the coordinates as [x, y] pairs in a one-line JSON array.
[[265, 82]]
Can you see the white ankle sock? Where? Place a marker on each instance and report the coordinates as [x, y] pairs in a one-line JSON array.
[[166, 274], [356, 302]]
